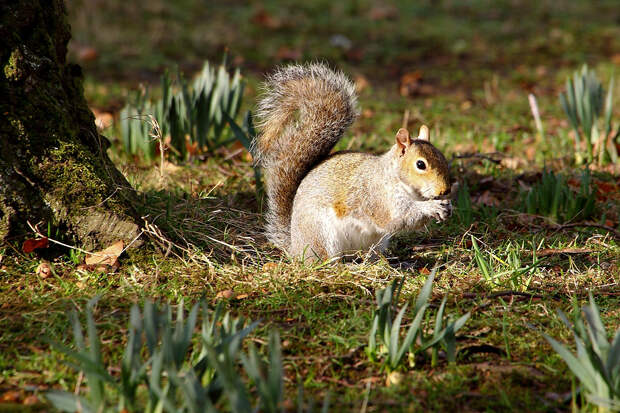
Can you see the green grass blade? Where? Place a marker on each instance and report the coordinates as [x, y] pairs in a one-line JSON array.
[[439, 317], [612, 364], [609, 107], [425, 292], [394, 337], [573, 363], [68, 402], [412, 332]]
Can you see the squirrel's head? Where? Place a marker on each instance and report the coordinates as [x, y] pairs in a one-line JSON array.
[[421, 166]]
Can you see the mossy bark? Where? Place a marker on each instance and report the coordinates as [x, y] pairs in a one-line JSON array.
[[53, 163]]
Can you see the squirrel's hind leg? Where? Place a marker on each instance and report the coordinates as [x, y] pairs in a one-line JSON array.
[[309, 236], [316, 233]]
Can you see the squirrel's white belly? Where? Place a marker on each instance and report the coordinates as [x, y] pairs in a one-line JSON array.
[[348, 235]]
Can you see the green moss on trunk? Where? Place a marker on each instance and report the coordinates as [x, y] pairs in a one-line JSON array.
[[53, 163]]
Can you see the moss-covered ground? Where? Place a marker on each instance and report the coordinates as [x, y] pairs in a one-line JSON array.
[[463, 68]]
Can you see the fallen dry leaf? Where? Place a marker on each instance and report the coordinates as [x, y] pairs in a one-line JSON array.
[[102, 119], [108, 256], [30, 400], [530, 152], [368, 113], [192, 148], [87, 54], [32, 244], [512, 163], [225, 294], [264, 19], [410, 83], [425, 271], [242, 296], [286, 53], [383, 12], [44, 270], [10, 396], [361, 83]]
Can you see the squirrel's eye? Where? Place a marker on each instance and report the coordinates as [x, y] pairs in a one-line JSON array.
[[420, 165]]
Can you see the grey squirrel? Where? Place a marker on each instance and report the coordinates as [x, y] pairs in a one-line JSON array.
[[323, 205]]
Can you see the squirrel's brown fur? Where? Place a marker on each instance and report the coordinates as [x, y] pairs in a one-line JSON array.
[[302, 114]]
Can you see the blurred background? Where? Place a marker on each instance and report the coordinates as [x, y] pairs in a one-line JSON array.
[[464, 67], [451, 44]]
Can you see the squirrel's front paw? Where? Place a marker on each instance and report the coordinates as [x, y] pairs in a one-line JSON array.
[[441, 209]]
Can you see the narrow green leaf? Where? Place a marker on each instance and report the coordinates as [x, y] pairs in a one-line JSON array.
[[394, 336], [439, 317], [425, 292], [68, 402], [411, 334], [573, 364]]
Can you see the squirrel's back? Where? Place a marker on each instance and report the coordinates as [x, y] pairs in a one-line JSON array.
[[302, 114]]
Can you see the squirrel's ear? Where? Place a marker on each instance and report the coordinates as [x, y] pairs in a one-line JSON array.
[[403, 140], [424, 134]]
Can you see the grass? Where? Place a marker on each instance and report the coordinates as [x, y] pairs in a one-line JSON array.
[[475, 102]]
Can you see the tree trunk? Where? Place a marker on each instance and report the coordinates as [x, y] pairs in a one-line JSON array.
[[54, 169]]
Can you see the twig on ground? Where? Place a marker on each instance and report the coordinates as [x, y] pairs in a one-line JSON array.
[[502, 294], [477, 155], [613, 231]]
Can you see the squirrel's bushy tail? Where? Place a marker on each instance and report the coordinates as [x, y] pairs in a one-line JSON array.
[[302, 114]]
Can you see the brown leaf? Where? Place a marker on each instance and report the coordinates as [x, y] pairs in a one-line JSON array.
[[10, 396], [512, 162], [530, 152], [368, 113], [225, 294], [44, 270], [551, 251], [192, 148], [87, 54], [30, 400], [108, 256], [264, 19], [242, 296], [286, 53], [102, 119], [410, 83], [361, 83], [383, 12], [236, 150], [32, 244], [425, 271]]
